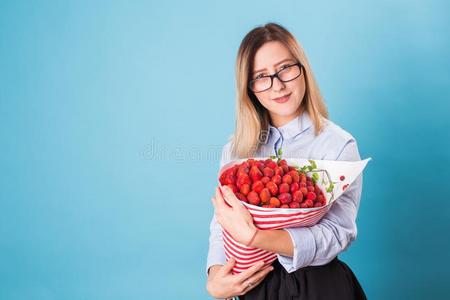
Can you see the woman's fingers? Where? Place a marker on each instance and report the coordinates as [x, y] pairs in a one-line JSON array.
[[241, 277], [229, 196], [228, 266], [255, 279], [219, 201]]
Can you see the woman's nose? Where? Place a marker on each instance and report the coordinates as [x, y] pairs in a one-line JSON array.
[[277, 84]]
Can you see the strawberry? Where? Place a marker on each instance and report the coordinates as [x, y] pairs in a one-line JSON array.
[[275, 202], [284, 188], [282, 162], [257, 186], [317, 204], [255, 174], [295, 176], [285, 198], [268, 172], [309, 203], [241, 197], [311, 196], [273, 188], [294, 187], [265, 179], [297, 196], [279, 171], [245, 189], [276, 179], [253, 198], [260, 164], [243, 180], [304, 191], [271, 164], [311, 188], [302, 177], [284, 206], [287, 179], [265, 195], [294, 205]]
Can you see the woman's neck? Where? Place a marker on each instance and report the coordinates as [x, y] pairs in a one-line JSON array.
[[278, 121]]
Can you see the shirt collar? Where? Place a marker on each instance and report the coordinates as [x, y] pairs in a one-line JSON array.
[[293, 128]]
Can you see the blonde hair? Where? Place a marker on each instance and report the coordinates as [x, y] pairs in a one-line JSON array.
[[252, 119]]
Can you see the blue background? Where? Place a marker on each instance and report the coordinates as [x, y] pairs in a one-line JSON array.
[[113, 116]]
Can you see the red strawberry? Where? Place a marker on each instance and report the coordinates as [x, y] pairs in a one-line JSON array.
[[309, 203], [260, 164], [285, 198], [311, 188], [321, 199], [271, 164], [255, 174], [304, 191], [229, 179], [294, 205], [295, 176], [284, 188], [287, 179], [276, 179], [282, 162], [285, 168], [274, 202], [243, 180], [303, 205], [245, 188], [241, 197], [279, 171], [298, 196], [268, 172], [253, 198], [273, 188], [317, 204], [265, 195], [311, 196], [284, 206], [258, 186], [294, 187], [302, 177], [265, 179]]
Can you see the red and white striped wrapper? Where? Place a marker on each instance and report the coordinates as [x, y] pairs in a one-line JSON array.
[[278, 218]]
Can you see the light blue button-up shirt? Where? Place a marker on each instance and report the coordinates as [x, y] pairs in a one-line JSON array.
[[318, 244]]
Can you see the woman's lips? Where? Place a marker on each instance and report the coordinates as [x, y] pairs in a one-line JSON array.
[[282, 99]]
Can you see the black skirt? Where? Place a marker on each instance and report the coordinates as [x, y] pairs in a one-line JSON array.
[[334, 280]]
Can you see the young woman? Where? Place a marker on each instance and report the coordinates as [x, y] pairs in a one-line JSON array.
[[279, 106]]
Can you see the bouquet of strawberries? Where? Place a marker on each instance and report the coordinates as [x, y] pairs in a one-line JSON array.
[[281, 193]]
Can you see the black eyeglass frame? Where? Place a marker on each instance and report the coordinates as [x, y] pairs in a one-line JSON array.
[[276, 75]]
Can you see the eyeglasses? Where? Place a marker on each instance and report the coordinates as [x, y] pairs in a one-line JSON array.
[[287, 73]]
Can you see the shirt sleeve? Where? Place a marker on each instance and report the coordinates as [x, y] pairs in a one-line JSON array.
[[320, 243], [216, 251]]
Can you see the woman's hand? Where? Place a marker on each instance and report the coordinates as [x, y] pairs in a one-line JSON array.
[[234, 218], [223, 284]]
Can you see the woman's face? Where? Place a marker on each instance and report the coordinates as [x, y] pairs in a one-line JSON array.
[[270, 58]]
